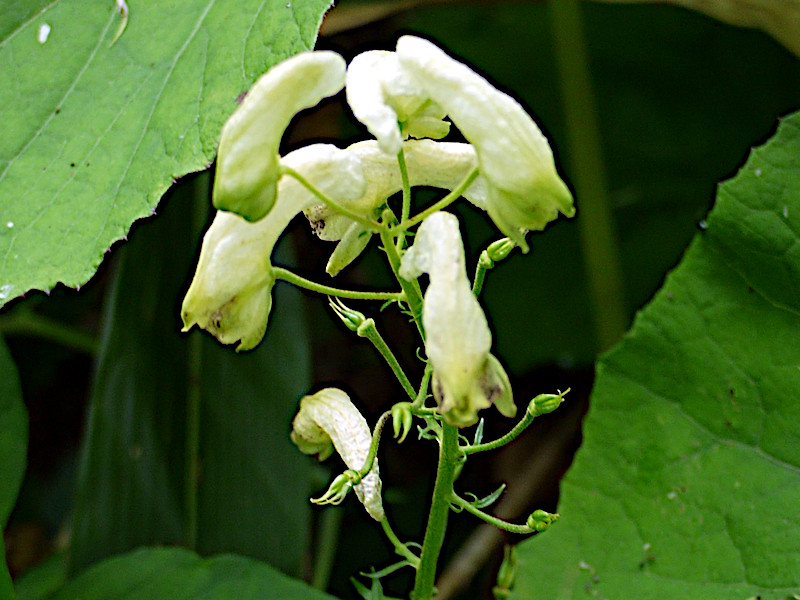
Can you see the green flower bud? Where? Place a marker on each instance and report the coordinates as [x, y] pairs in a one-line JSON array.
[[329, 420], [402, 420], [500, 249], [248, 166], [466, 377], [546, 403], [230, 295], [541, 520], [525, 192], [351, 318]]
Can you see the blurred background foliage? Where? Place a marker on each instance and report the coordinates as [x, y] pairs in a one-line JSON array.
[[678, 99]]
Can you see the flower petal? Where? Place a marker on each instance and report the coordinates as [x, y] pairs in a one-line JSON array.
[[513, 154], [248, 163], [329, 417], [230, 295], [457, 336]]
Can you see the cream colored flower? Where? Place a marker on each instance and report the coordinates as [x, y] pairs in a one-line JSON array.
[[525, 192], [457, 337], [435, 164], [230, 295], [248, 166], [329, 420], [388, 103]]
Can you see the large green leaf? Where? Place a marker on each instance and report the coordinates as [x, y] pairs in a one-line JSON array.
[[13, 447], [253, 484], [94, 133], [688, 481], [176, 574]]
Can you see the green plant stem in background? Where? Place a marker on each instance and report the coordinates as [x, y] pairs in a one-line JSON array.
[[326, 545], [194, 368], [302, 282], [600, 249], [24, 321], [422, 394], [192, 460], [449, 457]]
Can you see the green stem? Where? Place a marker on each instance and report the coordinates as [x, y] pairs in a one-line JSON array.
[[373, 447], [405, 211], [484, 264], [326, 200], [598, 239], [23, 321], [440, 509], [399, 546], [410, 288], [294, 279], [419, 401], [369, 331], [443, 203], [504, 525], [502, 441]]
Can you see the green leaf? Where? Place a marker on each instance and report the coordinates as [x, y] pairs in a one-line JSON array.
[[252, 495], [177, 574], [688, 481], [94, 134], [13, 449]]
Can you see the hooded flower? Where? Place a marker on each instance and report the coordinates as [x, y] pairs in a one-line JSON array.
[[230, 295], [436, 164], [388, 103], [524, 189], [457, 337], [329, 420], [248, 166]]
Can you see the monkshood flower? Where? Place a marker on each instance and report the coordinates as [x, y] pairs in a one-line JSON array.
[[525, 192], [388, 103], [231, 293], [467, 377], [435, 164], [248, 166], [328, 420]]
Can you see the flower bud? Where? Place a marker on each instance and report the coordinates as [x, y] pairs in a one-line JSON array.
[[248, 165], [500, 249], [546, 403], [541, 520], [525, 192], [329, 420], [457, 337]]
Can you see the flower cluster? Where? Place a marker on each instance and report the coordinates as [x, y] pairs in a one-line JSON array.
[[407, 100]]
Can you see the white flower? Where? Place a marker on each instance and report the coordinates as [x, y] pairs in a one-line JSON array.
[[248, 166], [329, 420], [230, 295], [391, 106], [435, 164], [457, 337], [525, 191]]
